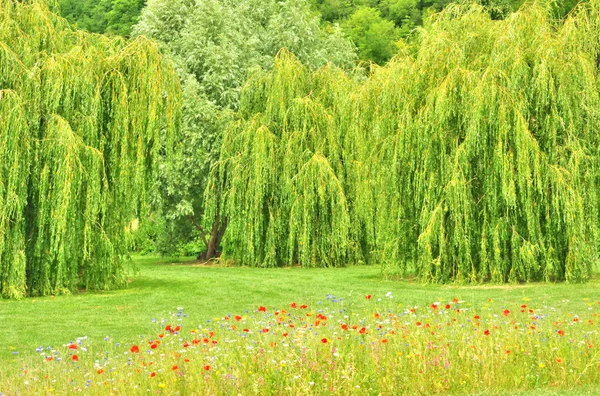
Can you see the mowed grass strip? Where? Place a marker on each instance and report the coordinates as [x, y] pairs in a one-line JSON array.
[[163, 284]]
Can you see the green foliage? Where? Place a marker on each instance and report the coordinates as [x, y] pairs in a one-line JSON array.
[[473, 157], [76, 157], [216, 45], [374, 36], [118, 16], [406, 15], [102, 16]]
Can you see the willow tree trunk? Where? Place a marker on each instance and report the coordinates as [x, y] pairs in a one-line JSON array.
[[215, 238], [213, 244]]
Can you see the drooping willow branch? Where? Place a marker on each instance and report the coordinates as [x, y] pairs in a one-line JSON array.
[[82, 120], [473, 156]]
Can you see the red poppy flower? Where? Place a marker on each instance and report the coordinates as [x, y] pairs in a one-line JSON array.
[[168, 328], [487, 332], [294, 305], [506, 312], [206, 368], [99, 371], [476, 317], [152, 374], [324, 340], [262, 309], [186, 344], [154, 345], [161, 335], [265, 330], [205, 340], [73, 346], [303, 306], [175, 367], [177, 328], [384, 341], [135, 349], [363, 330], [434, 306], [49, 358], [238, 317], [344, 326], [285, 334], [368, 296], [561, 332], [75, 358], [455, 300], [196, 341], [246, 330], [418, 323], [447, 306]]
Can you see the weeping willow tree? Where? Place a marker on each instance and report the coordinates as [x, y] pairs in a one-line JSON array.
[[471, 157], [82, 120]]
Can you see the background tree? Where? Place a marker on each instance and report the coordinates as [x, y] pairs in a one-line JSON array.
[[216, 44], [102, 16], [404, 13], [83, 120], [374, 36]]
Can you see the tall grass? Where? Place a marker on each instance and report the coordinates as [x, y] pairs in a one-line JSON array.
[[332, 347]]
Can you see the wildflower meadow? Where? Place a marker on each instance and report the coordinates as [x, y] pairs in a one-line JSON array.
[[344, 343]]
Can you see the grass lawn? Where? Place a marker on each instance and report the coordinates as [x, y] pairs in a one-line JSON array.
[[210, 292], [164, 284]]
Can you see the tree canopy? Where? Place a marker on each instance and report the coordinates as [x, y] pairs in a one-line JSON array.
[[367, 22], [216, 45], [472, 156], [102, 16], [83, 119], [376, 40]]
